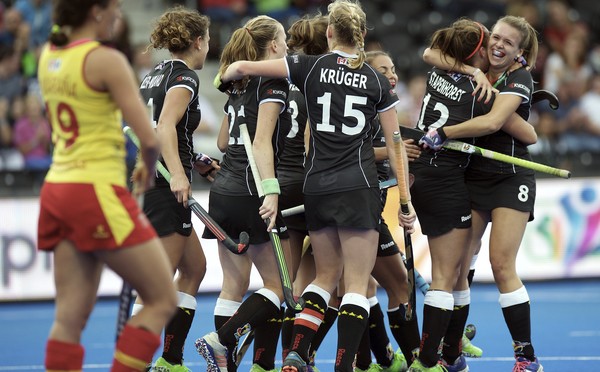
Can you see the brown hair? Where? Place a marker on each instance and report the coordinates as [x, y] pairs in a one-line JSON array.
[[69, 14], [350, 25], [309, 35], [250, 43], [529, 40], [461, 40], [178, 28]]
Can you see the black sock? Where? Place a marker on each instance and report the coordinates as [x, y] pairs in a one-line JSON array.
[[176, 333], [265, 342], [518, 320], [253, 313], [435, 323], [330, 317], [405, 332], [363, 354], [287, 328], [470, 276], [453, 338], [352, 322], [378, 337]]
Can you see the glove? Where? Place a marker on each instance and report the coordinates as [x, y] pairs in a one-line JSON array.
[[434, 139], [205, 165], [220, 85]]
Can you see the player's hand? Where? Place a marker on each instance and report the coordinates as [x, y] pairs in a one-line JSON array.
[[434, 139], [220, 85], [413, 151], [181, 188], [141, 179], [268, 209], [407, 221], [484, 87], [206, 166]]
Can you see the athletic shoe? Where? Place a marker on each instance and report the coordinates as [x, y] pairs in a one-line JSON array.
[[256, 368], [523, 364], [162, 365], [294, 363], [417, 366], [460, 365], [470, 350], [213, 352]]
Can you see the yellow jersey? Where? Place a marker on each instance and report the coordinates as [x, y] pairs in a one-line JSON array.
[[89, 145]]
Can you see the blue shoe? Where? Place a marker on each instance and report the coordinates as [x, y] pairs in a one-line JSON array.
[[459, 365], [294, 363], [213, 352], [523, 364]]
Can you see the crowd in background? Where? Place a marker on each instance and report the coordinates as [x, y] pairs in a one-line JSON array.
[[568, 64]]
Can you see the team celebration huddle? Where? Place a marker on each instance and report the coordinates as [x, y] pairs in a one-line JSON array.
[[311, 142]]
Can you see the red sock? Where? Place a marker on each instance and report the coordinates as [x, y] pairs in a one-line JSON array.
[[63, 356], [135, 349]]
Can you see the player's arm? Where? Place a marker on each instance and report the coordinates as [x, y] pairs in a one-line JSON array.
[[434, 57], [520, 129], [119, 80], [223, 137], [174, 107], [273, 68]]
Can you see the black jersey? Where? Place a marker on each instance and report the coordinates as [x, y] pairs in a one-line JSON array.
[[235, 177], [291, 165], [448, 101], [341, 104], [519, 83], [154, 87]]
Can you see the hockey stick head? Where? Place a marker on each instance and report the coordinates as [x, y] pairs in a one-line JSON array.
[[545, 95], [243, 245]]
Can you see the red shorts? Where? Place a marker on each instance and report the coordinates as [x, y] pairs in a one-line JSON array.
[[92, 216]]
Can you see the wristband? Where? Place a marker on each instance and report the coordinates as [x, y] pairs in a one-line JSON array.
[[270, 186], [476, 71]]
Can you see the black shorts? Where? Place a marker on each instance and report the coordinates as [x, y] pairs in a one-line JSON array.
[[292, 196], [441, 198], [240, 213], [490, 190], [165, 213], [387, 245], [355, 209]]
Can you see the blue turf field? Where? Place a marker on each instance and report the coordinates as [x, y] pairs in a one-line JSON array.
[[566, 330]]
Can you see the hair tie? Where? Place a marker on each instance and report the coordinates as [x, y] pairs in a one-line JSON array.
[[55, 29], [478, 44], [521, 60], [248, 31]]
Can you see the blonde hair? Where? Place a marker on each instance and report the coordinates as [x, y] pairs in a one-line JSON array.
[[178, 28], [461, 40], [529, 40], [250, 43], [350, 25], [309, 35]]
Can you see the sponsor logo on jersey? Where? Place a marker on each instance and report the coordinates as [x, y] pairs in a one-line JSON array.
[[272, 92], [187, 78], [101, 233], [342, 60], [465, 218], [54, 64], [187, 225], [385, 246], [520, 86]]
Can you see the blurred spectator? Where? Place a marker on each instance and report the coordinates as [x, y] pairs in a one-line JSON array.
[[10, 158], [411, 99], [32, 135], [280, 10], [38, 14], [568, 63], [562, 20], [142, 60], [225, 16], [15, 31], [11, 80]]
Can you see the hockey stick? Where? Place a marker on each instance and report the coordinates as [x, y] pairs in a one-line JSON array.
[[545, 95], [284, 275], [472, 149], [203, 215], [403, 195]]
